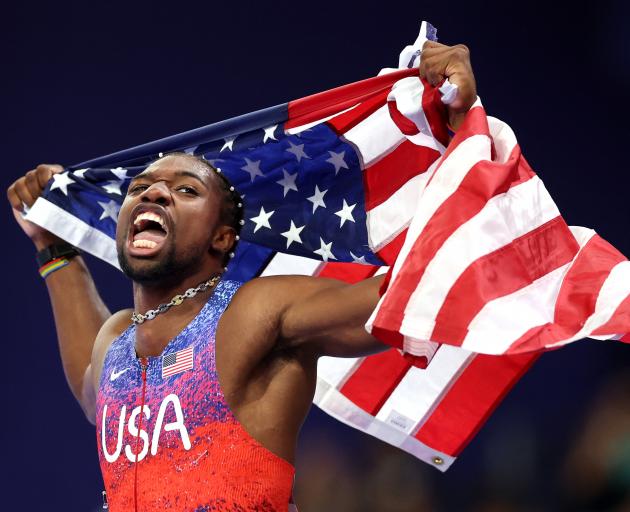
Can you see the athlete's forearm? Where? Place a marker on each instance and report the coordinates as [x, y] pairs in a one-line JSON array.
[[79, 314], [78, 308]]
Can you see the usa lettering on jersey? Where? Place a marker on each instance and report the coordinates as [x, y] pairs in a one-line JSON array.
[[169, 402]]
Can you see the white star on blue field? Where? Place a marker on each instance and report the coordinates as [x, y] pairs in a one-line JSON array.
[[303, 193]]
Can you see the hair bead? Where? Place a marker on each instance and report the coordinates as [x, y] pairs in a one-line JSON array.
[[238, 237]]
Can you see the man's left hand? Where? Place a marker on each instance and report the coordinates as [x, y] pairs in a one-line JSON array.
[[439, 62]]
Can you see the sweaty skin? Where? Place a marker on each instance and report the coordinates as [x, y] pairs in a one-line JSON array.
[[271, 335]]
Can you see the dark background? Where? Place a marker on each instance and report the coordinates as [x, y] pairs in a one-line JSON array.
[[81, 80]]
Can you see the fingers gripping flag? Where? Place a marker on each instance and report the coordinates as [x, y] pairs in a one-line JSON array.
[[351, 181]]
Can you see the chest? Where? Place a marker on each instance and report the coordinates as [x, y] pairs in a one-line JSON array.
[[161, 403], [245, 353]]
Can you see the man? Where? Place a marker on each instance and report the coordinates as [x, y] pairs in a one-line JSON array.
[[198, 394]]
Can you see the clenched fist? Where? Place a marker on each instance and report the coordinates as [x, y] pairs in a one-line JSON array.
[[24, 191], [439, 62]]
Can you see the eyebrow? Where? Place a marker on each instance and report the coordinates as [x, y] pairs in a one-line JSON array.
[[190, 174]]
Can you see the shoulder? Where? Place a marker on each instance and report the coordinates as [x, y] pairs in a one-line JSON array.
[[113, 327], [256, 311], [282, 287], [273, 294]]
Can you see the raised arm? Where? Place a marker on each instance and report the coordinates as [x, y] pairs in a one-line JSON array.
[[77, 306], [322, 316], [330, 316]]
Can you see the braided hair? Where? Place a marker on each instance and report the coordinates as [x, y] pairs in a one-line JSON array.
[[232, 207]]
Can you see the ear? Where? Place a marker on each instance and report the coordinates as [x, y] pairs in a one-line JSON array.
[[223, 239]]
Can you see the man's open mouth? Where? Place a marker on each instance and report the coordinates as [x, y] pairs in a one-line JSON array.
[[148, 232]]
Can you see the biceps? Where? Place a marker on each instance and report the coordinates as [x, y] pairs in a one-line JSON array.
[[349, 342], [332, 319]]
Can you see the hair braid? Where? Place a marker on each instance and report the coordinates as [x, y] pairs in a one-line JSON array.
[[232, 206]]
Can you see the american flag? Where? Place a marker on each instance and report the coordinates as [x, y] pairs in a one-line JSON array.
[[361, 180], [494, 267], [177, 362]]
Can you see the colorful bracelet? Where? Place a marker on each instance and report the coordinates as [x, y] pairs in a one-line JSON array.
[[52, 266]]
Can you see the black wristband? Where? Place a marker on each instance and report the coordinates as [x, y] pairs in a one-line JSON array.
[[52, 252]]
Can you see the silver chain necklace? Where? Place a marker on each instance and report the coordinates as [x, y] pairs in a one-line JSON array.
[[139, 318]]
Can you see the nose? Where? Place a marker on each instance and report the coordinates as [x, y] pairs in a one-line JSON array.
[[158, 193]]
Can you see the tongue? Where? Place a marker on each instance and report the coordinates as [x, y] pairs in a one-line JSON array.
[[155, 235]]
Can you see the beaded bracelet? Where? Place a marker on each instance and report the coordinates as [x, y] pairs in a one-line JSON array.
[[52, 266]]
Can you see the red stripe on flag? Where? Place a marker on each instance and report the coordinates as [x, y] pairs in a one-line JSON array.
[[383, 178], [405, 125], [435, 112], [317, 106], [348, 120], [388, 336], [471, 400], [348, 272], [484, 180], [475, 123], [374, 380], [500, 273], [389, 253], [577, 297], [169, 370]]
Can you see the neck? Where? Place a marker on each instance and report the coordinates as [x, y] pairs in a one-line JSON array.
[[153, 335], [150, 295]]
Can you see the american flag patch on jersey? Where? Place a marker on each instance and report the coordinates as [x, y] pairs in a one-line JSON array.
[[177, 362]]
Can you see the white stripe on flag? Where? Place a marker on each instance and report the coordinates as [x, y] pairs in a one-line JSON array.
[[386, 220], [297, 129], [419, 390], [73, 230], [514, 314], [407, 94], [375, 136], [335, 370], [283, 264], [522, 209], [503, 138], [536, 305], [445, 181], [340, 407], [615, 289]]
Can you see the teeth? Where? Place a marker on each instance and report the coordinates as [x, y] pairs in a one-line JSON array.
[[149, 216], [149, 244]]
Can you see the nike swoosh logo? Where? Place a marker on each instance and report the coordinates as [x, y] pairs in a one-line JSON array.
[[115, 375]]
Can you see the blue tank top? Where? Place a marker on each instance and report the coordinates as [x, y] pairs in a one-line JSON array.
[[167, 438]]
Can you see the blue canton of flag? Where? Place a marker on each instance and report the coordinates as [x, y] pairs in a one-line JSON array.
[[302, 190]]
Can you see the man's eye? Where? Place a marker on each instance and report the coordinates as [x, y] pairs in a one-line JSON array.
[[187, 190], [137, 188]]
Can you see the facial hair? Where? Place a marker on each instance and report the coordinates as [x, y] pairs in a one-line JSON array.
[[171, 267]]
